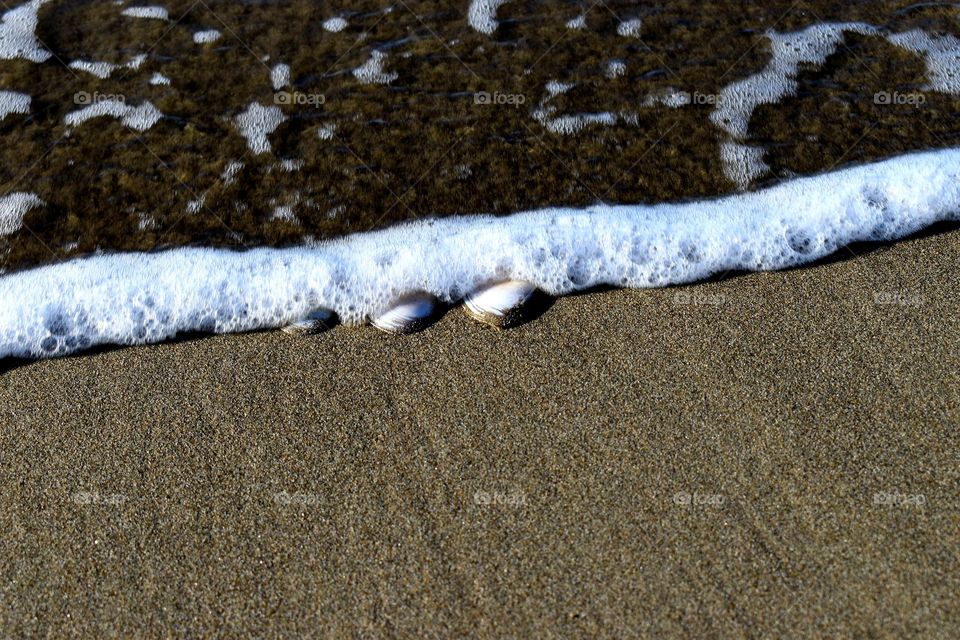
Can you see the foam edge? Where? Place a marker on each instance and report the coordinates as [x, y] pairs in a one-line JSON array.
[[137, 298]]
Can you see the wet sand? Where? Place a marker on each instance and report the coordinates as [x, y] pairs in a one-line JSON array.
[[767, 455], [350, 157]]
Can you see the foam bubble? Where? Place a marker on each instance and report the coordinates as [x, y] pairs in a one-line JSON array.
[[18, 33], [630, 28], [371, 71], [139, 118], [137, 61], [12, 209], [146, 222], [230, 172], [572, 123], [258, 122], [196, 206], [99, 69], [153, 12], [206, 37], [742, 164], [284, 214], [577, 23], [669, 97], [942, 58], [615, 69], [159, 79], [738, 101], [482, 15], [103, 70], [280, 76], [326, 132], [812, 46], [139, 298], [335, 25], [555, 88], [567, 124], [14, 102]]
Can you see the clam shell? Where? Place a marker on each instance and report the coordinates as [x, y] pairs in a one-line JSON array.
[[499, 304], [407, 314], [316, 321]]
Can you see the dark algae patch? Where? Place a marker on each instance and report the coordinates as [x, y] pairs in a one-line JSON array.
[[352, 157]]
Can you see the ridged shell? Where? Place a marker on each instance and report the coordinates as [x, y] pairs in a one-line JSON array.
[[408, 314], [316, 321], [499, 304]]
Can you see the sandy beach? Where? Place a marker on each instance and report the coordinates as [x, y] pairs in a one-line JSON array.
[[768, 455]]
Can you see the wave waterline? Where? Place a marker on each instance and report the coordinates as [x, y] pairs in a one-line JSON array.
[[138, 298]]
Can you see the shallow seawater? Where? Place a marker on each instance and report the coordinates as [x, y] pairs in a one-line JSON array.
[[275, 123]]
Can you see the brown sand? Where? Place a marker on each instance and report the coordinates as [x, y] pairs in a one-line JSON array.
[[529, 483]]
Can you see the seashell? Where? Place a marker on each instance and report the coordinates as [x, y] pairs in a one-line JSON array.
[[316, 321], [500, 304], [408, 314]]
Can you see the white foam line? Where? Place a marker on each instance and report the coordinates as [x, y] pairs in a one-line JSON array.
[[152, 12], [141, 298], [567, 124], [139, 118], [335, 25], [207, 36], [371, 71], [100, 69]]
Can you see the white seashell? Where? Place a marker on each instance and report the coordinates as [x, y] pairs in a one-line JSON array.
[[499, 304], [316, 321], [408, 314]]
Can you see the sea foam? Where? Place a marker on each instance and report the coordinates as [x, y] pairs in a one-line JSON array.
[[18, 33], [141, 298], [482, 15]]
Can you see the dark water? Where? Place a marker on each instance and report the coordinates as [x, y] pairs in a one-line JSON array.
[[424, 145]]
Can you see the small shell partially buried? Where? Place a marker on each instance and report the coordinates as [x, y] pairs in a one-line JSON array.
[[316, 321], [500, 304], [408, 314]]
